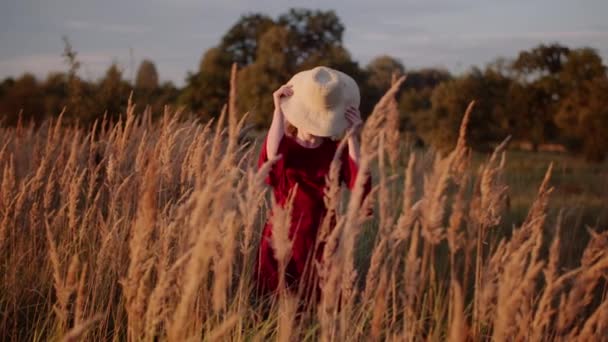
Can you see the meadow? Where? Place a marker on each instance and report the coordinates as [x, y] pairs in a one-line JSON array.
[[147, 230]]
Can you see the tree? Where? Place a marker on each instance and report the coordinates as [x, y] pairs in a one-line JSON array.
[[426, 78], [268, 52], [76, 92], [543, 60], [241, 40], [6, 84], [147, 77], [336, 57], [550, 82], [302, 39], [377, 80], [207, 90], [583, 65], [311, 32], [112, 94], [538, 71], [166, 94], [583, 112], [380, 71], [24, 95], [583, 115], [489, 120], [416, 95], [55, 90], [257, 81]]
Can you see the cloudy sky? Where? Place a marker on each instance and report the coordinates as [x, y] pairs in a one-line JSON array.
[[454, 34]]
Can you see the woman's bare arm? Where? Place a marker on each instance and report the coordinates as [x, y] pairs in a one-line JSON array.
[[355, 123], [354, 149], [277, 127]]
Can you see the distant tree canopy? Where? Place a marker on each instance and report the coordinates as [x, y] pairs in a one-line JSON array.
[[28, 99], [21, 96], [268, 52], [381, 69], [438, 123], [582, 114], [262, 77], [548, 94], [147, 76], [242, 39], [113, 91]]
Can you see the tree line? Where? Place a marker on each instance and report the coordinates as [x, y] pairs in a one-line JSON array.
[[548, 94]]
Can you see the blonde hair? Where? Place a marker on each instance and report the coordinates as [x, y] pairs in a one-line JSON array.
[[290, 129]]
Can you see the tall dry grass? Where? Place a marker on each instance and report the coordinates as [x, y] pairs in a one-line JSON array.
[[140, 230]]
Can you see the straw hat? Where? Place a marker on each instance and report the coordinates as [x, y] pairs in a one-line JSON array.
[[319, 101]]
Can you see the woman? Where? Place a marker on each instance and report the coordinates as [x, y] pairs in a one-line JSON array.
[[314, 105]]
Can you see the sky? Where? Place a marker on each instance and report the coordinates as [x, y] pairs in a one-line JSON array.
[[174, 34]]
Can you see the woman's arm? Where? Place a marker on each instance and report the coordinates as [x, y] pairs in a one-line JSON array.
[[355, 123], [277, 129]]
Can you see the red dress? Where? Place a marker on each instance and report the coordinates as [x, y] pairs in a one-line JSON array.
[[306, 167]]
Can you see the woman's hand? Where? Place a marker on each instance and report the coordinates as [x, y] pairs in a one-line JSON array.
[[353, 116], [285, 90], [277, 129]]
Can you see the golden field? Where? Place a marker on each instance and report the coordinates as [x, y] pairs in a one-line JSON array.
[[142, 230]]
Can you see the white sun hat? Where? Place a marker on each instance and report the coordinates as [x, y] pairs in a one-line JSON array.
[[320, 98]]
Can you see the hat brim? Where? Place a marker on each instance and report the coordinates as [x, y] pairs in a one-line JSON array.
[[328, 123]]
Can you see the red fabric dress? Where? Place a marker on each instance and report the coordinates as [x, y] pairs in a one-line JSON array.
[[306, 167]]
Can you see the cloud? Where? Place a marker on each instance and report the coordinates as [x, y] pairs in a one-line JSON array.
[[174, 34], [459, 50], [109, 28], [539, 35]]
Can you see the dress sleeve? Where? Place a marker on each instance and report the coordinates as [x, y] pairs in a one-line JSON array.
[[349, 171], [277, 169]]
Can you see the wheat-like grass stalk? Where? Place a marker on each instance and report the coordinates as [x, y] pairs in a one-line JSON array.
[[78, 332]]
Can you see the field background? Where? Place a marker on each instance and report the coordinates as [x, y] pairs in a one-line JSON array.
[[142, 230]]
